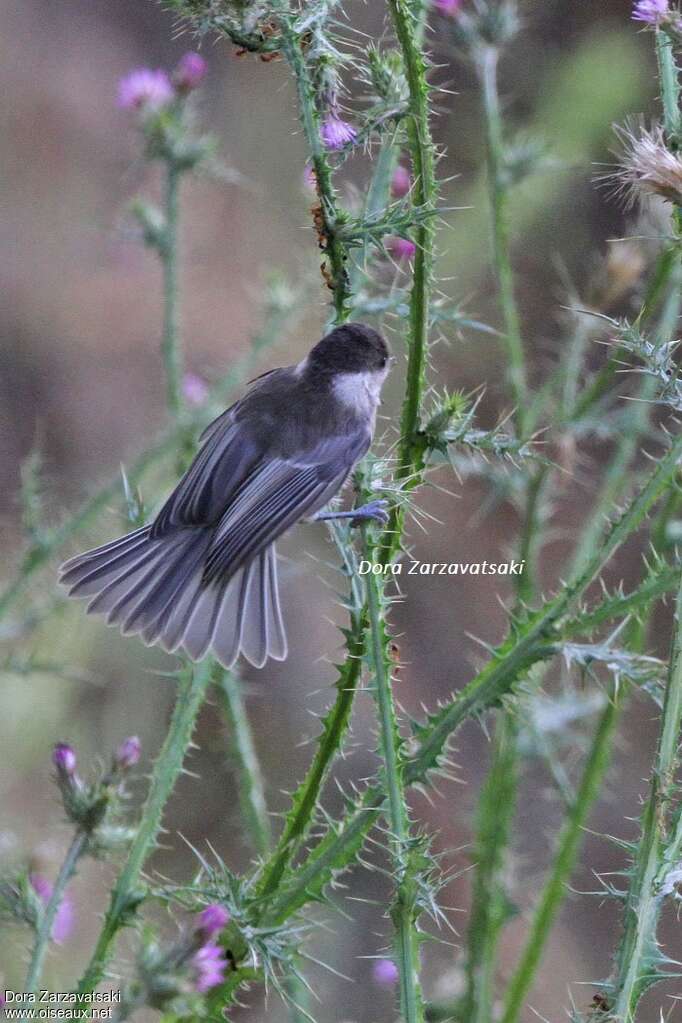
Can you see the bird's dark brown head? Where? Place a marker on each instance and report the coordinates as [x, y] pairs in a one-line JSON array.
[[351, 348]]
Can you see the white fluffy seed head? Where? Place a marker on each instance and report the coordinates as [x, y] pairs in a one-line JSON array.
[[647, 166]]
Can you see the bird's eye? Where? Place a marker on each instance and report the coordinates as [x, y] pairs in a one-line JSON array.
[[383, 362]]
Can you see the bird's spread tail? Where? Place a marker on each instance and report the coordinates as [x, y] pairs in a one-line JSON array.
[[156, 588]]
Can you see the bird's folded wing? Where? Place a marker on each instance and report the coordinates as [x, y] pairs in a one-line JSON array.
[[278, 494], [226, 458]]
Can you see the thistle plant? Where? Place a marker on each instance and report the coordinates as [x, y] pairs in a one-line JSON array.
[[235, 930]]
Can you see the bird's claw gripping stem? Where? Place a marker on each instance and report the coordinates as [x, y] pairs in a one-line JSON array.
[[373, 511]]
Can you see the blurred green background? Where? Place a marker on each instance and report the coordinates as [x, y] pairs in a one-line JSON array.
[[82, 378]]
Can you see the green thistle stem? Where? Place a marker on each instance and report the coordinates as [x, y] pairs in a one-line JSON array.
[[76, 850], [127, 892], [335, 726], [251, 788], [499, 202], [670, 87], [171, 345], [404, 911], [489, 909], [310, 120], [636, 957], [554, 890]]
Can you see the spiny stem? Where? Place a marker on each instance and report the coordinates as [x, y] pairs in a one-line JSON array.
[[499, 200], [408, 24], [77, 849], [310, 120], [250, 784], [670, 87], [334, 727], [171, 345], [127, 892], [489, 909], [563, 863], [403, 914], [635, 971]]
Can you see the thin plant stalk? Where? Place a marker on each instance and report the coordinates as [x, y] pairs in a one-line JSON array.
[[638, 958], [499, 202], [408, 24], [128, 890], [251, 788], [496, 811], [489, 905], [310, 120], [171, 345], [670, 87], [554, 890], [46, 921], [406, 939]]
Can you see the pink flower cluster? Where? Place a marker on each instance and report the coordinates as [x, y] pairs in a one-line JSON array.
[[337, 133], [650, 11], [448, 7], [151, 90], [64, 920], [209, 963]]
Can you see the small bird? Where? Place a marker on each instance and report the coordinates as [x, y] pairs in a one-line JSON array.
[[202, 576]]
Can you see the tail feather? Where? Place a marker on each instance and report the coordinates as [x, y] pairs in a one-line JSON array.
[[277, 637], [157, 588]]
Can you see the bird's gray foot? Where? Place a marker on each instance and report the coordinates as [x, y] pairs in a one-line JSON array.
[[373, 511]]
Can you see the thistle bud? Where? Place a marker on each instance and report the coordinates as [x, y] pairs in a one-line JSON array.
[[190, 72], [128, 753], [212, 920], [64, 759]]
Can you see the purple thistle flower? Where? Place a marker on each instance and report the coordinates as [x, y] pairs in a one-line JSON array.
[[447, 7], [64, 759], [194, 389], [145, 89], [400, 182], [213, 919], [190, 72], [128, 753], [64, 919], [209, 965], [337, 133], [401, 248], [650, 11], [385, 973]]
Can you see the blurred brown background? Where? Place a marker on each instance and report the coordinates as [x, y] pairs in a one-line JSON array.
[[81, 374]]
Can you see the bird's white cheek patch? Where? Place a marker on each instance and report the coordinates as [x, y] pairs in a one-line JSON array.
[[359, 391]]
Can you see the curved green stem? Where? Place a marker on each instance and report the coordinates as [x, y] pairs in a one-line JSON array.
[[306, 797], [77, 849], [127, 893]]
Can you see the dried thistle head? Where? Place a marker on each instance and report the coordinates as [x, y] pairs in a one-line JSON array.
[[647, 166]]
